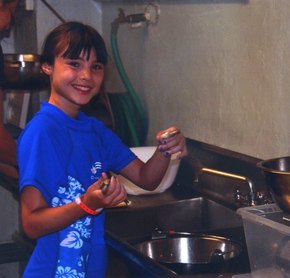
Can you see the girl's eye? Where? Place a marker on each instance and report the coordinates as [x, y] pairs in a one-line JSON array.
[[74, 64], [98, 66]]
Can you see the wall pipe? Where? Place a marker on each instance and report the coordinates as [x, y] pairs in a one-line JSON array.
[[135, 100]]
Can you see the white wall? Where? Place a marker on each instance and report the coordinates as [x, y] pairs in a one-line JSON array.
[[87, 11], [218, 69], [8, 44]]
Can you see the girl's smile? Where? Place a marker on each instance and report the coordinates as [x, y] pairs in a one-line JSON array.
[[74, 82]]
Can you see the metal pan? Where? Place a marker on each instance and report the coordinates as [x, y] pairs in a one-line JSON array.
[[23, 72], [188, 253]]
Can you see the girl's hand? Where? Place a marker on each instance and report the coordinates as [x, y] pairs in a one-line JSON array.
[[172, 142], [97, 196]]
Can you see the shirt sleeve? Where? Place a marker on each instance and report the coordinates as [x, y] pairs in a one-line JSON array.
[[41, 163]]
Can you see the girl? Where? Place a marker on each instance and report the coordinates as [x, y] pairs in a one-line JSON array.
[[63, 158]]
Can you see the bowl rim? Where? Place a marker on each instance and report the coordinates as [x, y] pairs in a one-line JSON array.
[[261, 165]]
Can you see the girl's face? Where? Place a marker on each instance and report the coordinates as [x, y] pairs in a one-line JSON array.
[[74, 82]]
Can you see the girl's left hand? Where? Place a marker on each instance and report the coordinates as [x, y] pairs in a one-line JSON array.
[[172, 142]]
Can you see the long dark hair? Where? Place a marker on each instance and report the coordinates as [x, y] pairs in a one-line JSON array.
[[73, 38]]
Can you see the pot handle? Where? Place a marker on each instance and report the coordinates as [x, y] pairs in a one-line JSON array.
[[217, 257], [158, 234], [17, 64]]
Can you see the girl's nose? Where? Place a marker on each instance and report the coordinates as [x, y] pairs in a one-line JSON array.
[[85, 74]]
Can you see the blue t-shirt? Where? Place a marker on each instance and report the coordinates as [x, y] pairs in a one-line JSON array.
[[62, 157]]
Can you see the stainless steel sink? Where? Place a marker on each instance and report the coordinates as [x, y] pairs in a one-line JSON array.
[[131, 225], [191, 215]]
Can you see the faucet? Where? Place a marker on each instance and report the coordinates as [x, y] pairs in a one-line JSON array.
[[238, 195], [252, 199], [131, 19]]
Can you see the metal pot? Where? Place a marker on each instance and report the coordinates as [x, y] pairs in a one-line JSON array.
[[187, 253], [277, 176], [23, 72]]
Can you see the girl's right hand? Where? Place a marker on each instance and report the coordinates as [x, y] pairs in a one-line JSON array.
[[96, 198]]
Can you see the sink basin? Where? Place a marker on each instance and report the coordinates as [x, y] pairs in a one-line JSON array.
[[191, 215], [133, 225]]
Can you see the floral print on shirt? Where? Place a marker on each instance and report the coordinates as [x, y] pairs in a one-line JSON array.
[[74, 247]]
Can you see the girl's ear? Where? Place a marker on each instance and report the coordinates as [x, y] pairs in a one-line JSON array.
[[46, 68]]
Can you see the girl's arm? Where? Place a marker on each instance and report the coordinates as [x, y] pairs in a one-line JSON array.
[[149, 175], [39, 219]]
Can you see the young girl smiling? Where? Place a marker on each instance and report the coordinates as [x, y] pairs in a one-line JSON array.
[[64, 156]]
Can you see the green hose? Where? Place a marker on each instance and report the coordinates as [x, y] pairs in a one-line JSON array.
[[132, 109]]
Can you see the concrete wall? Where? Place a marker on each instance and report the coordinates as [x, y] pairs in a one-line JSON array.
[[217, 69]]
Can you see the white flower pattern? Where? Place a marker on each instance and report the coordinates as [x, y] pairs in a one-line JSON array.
[[75, 237], [73, 240], [67, 272]]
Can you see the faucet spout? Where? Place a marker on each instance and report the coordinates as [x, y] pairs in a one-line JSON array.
[[136, 18]]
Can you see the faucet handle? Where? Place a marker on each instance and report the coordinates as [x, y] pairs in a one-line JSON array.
[[250, 199], [263, 198], [241, 200]]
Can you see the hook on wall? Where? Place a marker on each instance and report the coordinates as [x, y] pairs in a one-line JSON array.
[[152, 13]]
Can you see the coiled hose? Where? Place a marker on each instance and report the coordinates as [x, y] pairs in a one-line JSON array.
[[131, 122]]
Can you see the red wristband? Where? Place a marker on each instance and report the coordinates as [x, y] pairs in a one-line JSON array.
[[86, 208]]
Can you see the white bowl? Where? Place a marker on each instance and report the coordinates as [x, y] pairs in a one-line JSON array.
[[144, 153]]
